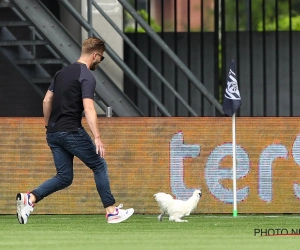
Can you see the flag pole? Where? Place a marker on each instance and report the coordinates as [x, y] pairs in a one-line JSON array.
[[234, 166], [231, 103]]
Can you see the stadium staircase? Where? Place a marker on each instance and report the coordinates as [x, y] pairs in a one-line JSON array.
[[37, 45]]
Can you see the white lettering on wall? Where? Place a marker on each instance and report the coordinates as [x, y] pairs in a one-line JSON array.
[[178, 152], [296, 156], [214, 174], [266, 159]]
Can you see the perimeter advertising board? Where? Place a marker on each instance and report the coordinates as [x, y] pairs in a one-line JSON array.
[[173, 155]]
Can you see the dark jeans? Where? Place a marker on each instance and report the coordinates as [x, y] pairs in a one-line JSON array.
[[66, 145]]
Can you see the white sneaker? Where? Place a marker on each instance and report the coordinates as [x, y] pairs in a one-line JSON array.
[[24, 208], [120, 215]]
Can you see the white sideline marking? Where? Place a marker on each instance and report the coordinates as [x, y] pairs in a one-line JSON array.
[[209, 216]]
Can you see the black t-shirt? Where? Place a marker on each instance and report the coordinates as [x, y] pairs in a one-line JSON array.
[[70, 85]]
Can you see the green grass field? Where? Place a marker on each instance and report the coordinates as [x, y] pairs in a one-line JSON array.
[[85, 232]]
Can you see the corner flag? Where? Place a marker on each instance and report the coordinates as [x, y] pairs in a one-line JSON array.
[[231, 103], [232, 98]]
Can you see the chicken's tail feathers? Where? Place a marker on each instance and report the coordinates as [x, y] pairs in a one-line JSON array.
[[163, 196]]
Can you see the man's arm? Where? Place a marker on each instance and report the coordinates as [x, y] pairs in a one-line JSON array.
[[91, 117], [47, 105]]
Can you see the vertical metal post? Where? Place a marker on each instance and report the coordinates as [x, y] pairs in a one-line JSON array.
[[291, 57], [277, 56], [222, 37], [264, 56], [90, 17], [162, 54], [201, 51], [155, 111], [175, 50], [135, 39], [217, 51], [189, 49], [149, 56], [249, 10], [108, 111], [248, 14], [32, 37]]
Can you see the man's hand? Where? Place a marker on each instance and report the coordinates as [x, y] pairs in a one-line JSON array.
[[99, 147], [91, 117]]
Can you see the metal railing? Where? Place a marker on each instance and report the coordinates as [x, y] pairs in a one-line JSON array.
[[54, 34], [87, 24], [112, 53], [261, 36]]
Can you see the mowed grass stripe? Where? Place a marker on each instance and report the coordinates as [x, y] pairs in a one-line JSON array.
[[84, 232]]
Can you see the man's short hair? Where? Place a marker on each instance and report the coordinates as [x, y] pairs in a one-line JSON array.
[[92, 44]]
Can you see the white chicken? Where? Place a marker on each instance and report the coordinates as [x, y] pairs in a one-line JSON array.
[[176, 209]]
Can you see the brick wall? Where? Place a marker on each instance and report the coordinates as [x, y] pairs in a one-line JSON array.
[[173, 155]]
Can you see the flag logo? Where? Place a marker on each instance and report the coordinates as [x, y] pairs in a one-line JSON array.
[[232, 90], [232, 97]]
